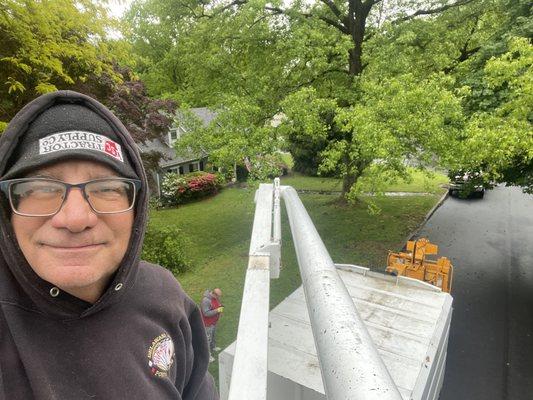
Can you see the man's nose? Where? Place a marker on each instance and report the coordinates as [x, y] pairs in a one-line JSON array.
[[76, 214]]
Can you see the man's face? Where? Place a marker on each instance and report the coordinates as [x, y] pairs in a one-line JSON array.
[[76, 249]]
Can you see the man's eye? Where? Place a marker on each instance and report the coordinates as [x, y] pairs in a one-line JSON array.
[[47, 189], [108, 190], [38, 191]]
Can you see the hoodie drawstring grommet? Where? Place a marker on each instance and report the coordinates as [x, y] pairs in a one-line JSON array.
[[118, 287], [54, 292]]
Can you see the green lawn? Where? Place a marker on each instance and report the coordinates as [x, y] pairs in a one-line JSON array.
[[419, 182], [219, 230]]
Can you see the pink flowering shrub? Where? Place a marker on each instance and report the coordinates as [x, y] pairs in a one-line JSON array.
[[178, 189]]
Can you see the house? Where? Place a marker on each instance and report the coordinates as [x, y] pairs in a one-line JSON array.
[[170, 161]]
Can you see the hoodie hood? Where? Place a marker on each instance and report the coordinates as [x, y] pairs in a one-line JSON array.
[[18, 282]]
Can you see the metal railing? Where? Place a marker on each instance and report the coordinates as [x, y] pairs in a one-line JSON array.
[[350, 365], [249, 374]]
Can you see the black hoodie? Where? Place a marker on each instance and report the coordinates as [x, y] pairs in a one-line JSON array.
[[143, 339]]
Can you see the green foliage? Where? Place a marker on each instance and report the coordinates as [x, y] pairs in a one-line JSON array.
[[64, 44], [49, 45], [154, 203], [235, 137], [267, 167], [397, 119], [501, 141], [363, 89], [308, 127], [166, 246], [178, 189]]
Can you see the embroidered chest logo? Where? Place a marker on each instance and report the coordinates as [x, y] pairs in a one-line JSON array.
[[161, 355]]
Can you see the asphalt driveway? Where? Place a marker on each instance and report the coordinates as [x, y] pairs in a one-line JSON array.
[[490, 243]]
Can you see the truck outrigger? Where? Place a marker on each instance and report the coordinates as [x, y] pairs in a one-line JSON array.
[[414, 264]]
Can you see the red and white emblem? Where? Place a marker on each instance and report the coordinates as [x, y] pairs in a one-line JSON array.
[[111, 149]]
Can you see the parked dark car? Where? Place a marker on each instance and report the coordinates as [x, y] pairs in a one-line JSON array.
[[466, 184]]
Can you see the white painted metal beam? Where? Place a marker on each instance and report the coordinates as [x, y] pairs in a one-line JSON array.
[[249, 373], [350, 365]]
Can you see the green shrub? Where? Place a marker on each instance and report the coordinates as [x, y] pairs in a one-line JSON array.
[[166, 246], [178, 189], [154, 203], [268, 167]]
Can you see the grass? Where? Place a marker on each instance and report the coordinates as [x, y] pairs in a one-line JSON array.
[[419, 183], [219, 229]]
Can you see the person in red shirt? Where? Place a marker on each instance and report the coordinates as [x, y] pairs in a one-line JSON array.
[[211, 308]]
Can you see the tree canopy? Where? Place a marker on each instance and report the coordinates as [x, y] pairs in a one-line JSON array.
[[363, 86], [49, 45], [352, 88], [65, 44]]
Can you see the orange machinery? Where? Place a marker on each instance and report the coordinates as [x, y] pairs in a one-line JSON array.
[[413, 263]]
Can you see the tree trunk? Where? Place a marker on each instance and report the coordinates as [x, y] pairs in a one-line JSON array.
[[355, 168], [357, 15], [347, 182]]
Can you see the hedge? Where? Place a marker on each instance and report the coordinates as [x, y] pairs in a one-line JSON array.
[[166, 246]]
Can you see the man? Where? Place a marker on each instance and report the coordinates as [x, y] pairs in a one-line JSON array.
[[211, 310], [81, 317]]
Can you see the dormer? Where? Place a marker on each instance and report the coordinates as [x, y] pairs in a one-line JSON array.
[[174, 134]]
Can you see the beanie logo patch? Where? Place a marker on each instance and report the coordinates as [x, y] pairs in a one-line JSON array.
[[80, 140]]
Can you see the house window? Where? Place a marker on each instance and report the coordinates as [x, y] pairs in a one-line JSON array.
[[173, 135], [180, 169], [201, 166], [193, 167]]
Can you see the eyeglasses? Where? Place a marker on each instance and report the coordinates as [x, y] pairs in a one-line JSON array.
[[41, 197]]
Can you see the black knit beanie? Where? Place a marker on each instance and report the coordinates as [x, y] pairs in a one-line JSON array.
[[67, 132]]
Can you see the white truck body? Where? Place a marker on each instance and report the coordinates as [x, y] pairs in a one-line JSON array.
[[408, 320]]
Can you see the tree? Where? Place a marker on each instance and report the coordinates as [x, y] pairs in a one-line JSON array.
[[262, 53], [227, 72], [497, 89], [46, 46], [232, 139], [49, 45], [500, 139], [341, 71], [373, 137]]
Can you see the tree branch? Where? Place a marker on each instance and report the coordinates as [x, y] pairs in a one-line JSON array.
[[465, 53], [226, 7], [368, 4], [276, 10], [432, 11], [336, 24], [333, 7], [321, 75]]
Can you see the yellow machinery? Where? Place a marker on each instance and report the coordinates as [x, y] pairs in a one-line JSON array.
[[413, 263]]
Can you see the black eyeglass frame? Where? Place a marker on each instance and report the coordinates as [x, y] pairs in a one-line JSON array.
[[5, 187]]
